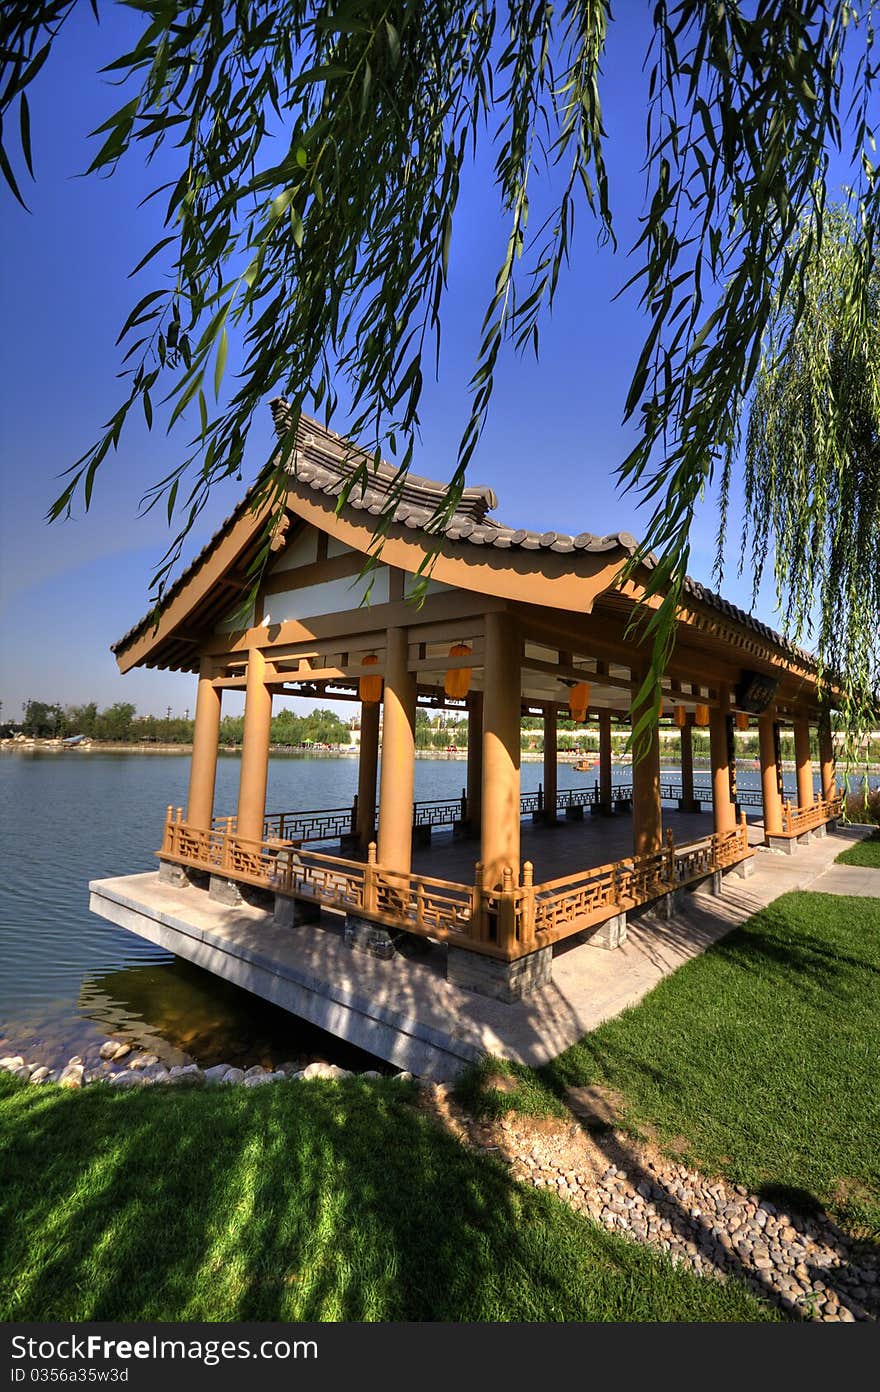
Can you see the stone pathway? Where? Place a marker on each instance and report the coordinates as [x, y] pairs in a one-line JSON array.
[[805, 1265], [859, 880]]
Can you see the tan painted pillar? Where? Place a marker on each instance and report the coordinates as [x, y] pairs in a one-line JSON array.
[[254, 750], [499, 841], [475, 760], [723, 810], [398, 756], [647, 811], [551, 756], [803, 762], [827, 768], [368, 763], [203, 767], [769, 774], [687, 763], [605, 794]]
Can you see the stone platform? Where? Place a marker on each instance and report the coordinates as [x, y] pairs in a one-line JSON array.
[[404, 1010]]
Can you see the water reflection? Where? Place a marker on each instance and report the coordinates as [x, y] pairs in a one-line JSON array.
[[184, 1014]]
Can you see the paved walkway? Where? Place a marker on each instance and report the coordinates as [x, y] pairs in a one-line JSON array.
[[405, 1010]]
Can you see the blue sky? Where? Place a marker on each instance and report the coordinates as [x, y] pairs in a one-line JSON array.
[[69, 590]]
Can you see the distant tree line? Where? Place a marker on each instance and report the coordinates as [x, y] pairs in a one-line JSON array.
[[120, 723]]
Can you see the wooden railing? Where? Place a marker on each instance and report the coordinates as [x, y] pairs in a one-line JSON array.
[[508, 920], [796, 820]]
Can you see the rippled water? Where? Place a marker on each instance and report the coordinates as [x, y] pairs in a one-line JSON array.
[[68, 979]]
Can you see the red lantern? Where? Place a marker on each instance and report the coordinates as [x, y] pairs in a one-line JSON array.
[[457, 681], [370, 688]]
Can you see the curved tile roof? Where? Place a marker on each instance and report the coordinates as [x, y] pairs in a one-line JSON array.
[[324, 464]]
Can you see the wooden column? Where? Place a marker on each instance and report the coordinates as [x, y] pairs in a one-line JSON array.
[[803, 761], [550, 763], [687, 763], [475, 760], [398, 756], [368, 763], [647, 812], [605, 793], [206, 734], [254, 750], [827, 769], [769, 773], [723, 810], [499, 841]]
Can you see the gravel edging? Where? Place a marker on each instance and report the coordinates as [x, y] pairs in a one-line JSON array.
[[804, 1265]]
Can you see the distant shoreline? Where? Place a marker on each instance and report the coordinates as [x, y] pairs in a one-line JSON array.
[[13, 746]]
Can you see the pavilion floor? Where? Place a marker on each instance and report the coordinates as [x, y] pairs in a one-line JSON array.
[[565, 848]]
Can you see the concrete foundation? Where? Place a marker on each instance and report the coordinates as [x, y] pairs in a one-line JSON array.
[[172, 874], [611, 934], [224, 891], [405, 1010], [362, 935], [290, 913], [504, 981], [744, 869], [713, 884]]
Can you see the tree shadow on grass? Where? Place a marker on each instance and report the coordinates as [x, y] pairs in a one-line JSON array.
[[296, 1201]]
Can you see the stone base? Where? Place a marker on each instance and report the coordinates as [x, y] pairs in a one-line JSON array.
[[831, 826], [786, 844], [504, 981], [712, 884], [362, 935], [350, 845], [689, 805], [610, 934], [574, 814], [172, 874], [290, 913], [462, 831], [623, 804], [819, 832], [421, 836], [670, 904], [744, 868], [601, 809], [224, 891], [545, 818]]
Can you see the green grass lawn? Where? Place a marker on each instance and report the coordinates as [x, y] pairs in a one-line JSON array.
[[865, 852], [758, 1060], [299, 1201]]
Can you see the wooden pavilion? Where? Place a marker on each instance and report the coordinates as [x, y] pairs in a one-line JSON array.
[[512, 622]]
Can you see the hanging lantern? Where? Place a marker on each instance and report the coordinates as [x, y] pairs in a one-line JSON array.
[[701, 716], [457, 681], [742, 720], [370, 688], [579, 701], [680, 717]]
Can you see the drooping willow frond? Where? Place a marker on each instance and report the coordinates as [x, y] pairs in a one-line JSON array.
[[812, 459], [321, 148]]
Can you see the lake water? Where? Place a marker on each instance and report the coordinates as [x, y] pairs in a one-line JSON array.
[[69, 979]]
